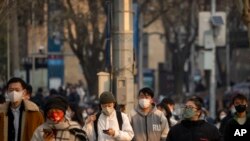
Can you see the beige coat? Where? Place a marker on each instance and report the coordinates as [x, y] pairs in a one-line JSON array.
[[66, 130]]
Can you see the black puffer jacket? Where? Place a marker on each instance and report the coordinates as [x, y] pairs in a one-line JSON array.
[[199, 130]]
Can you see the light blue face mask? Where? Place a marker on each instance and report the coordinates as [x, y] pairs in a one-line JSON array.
[[188, 113]]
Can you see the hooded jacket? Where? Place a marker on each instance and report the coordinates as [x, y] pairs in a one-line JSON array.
[[30, 120], [150, 127]]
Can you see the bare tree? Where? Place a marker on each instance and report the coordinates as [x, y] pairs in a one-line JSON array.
[[18, 15], [179, 20], [86, 37]]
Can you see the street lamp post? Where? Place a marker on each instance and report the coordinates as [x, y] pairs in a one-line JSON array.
[[212, 98], [8, 44]]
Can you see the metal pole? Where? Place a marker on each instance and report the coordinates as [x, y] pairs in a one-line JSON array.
[[140, 59], [228, 66], [212, 99], [8, 43], [33, 43], [192, 54], [122, 53]]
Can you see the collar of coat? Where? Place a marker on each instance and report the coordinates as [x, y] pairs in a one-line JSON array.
[[28, 106]]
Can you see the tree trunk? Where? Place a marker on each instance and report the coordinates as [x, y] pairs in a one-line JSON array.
[[179, 75]]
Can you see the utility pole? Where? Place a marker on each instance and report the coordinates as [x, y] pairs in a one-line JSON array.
[[192, 54], [33, 43], [8, 42], [212, 98], [122, 53]]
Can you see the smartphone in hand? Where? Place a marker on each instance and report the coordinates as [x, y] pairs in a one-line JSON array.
[[105, 131], [47, 131]]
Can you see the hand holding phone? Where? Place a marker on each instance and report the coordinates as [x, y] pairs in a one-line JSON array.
[[47, 131], [105, 131], [48, 134]]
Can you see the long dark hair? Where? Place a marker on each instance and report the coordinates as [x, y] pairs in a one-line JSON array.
[[164, 104]]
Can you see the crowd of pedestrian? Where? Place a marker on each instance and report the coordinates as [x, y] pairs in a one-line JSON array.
[[64, 115]]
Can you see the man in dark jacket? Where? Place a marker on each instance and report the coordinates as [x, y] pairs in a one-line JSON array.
[[238, 127], [192, 128]]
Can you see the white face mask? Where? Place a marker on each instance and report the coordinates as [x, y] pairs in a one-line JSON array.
[[107, 110], [222, 116], [144, 103], [232, 110], [15, 96]]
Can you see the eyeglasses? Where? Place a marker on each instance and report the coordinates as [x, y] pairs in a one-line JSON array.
[[189, 107]]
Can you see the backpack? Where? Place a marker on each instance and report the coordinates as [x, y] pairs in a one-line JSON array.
[[119, 119]]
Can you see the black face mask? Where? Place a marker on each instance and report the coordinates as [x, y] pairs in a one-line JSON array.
[[240, 108]]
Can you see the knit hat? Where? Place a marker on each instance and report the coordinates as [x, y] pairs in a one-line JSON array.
[[107, 97], [56, 102]]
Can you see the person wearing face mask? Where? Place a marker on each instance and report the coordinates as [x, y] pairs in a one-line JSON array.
[[74, 113], [57, 127], [192, 127], [221, 114], [240, 122], [149, 123], [167, 107], [108, 124], [19, 117]]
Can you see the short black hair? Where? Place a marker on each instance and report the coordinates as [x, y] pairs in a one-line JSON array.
[[16, 80], [240, 97], [168, 100], [146, 90], [29, 89]]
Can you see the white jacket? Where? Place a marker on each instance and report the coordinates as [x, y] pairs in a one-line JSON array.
[[105, 122]]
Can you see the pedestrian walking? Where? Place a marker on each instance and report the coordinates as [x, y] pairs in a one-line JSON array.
[[149, 123], [167, 107], [18, 117], [109, 124], [28, 93], [192, 128], [57, 127], [238, 127]]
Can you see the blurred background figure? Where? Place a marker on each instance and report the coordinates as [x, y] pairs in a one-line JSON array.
[[230, 114], [221, 114], [2, 99], [122, 108], [167, 107], [39, 98], [74, 113], [28, 94]]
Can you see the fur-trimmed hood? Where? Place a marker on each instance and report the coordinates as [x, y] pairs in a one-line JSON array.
[[28, 106]]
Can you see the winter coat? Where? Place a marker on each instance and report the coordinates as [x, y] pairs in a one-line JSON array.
[[199, 130], [105, 122], [65, 131], [31, 119], [235, 132]]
